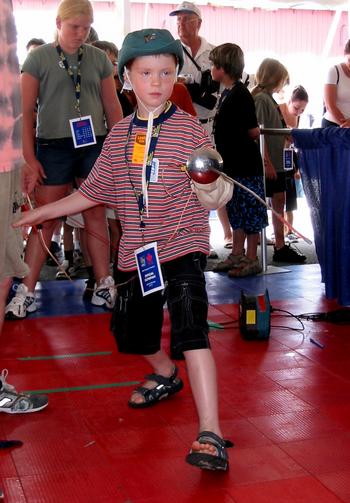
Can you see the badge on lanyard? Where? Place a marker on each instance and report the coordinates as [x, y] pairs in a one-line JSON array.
[[148, 268], [139, 149], [287, 159], [154, 171], [82, 131]]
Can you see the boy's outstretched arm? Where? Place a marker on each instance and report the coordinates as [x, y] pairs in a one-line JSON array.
[[74, 203]]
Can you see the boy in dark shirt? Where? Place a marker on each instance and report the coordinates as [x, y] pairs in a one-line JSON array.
[[235, 132]]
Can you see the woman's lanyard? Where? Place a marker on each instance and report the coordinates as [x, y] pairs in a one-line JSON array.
[[77, 81], [284, 125], [139, 195]]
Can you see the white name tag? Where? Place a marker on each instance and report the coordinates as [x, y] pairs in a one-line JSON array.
[[154, 171], [82, 131], [148, 268]]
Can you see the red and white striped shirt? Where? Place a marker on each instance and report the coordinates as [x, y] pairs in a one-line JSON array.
[[176, 220]]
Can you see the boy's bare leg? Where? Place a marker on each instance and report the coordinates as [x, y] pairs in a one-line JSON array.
[[97, 240], [238, 242], [225, 224], [201, 370], [36, 254], [252, 245], [278, 201], [162, 365]]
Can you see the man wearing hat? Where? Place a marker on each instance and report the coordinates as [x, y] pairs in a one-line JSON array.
[[196, 57], [196, 54]]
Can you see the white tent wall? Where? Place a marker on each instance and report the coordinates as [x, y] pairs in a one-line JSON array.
[[306, 40]]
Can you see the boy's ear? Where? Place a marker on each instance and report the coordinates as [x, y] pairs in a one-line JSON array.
[[176, 72], [58, 22]]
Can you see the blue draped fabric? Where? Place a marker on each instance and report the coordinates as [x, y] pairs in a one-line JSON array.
[[324, 157]]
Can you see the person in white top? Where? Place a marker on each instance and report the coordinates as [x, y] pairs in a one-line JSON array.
[[337, 93], [189, 20]]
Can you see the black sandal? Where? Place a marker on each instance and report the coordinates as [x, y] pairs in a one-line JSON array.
[[210, 461], [166, 386]]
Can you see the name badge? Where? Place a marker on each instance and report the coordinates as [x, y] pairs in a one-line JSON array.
[[148, 268], [287, 159], [154, 171], [82, 131], [139, 149]]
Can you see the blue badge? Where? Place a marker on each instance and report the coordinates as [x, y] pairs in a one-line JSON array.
[[82, 131], [288, 159], [148, 267]]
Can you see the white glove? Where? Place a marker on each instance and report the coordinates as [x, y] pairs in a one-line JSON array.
[[216, 194]]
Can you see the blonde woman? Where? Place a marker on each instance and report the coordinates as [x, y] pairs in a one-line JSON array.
[[73, 84], [271, 77]]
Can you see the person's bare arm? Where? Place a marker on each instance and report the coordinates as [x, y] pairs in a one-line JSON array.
[[74, 203], [113, 110], [330, 100], [254, 133], [30, 93], [270, 171]]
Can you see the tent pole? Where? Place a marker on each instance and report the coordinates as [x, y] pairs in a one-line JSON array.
[[331, 33]]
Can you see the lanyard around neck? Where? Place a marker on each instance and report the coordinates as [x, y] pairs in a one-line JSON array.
[[77, 81], [139, 196], [284, 125]]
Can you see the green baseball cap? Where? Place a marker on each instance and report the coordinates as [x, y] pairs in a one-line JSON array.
[[147, 43]]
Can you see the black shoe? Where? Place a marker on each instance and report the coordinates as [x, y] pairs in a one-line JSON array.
[[56, 251], [89, 289], [289, 255]]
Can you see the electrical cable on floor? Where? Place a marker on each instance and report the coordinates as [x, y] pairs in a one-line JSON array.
[[340, 315], [288, 313], [312, 316], [299, 317]]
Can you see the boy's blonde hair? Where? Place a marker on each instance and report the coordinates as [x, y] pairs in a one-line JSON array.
[[71, 8], [230, 58], [270, 76]]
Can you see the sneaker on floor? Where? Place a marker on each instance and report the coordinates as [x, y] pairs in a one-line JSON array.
[[56, 251], [292, 238], [268, 241], [105, 293], [246, 267], [67, 270], [289, 255], [13, 402], [78, 258], [21, 304], [229, 263]]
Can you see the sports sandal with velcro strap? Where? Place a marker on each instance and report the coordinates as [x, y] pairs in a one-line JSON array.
[[165, 387], [205, 461]]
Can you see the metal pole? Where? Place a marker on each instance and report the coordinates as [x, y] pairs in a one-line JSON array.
[[263, 243]]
